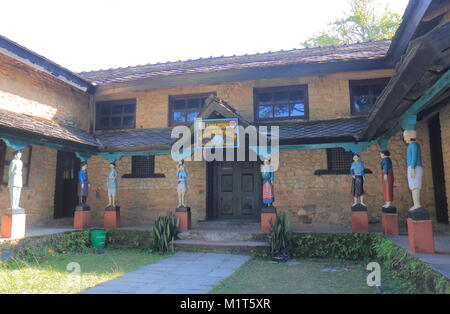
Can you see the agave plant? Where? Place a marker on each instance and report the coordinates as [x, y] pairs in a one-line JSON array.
[[165, 231], [280, 238]]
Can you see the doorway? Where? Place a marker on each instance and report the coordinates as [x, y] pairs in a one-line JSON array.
[[66, 184], [235, 189], [437, 167]]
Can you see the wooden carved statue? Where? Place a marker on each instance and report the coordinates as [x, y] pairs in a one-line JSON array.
[[414, 164], [83, 184], [268, 177], [357, 172], [387, 178], [112, 184], [15, 179], [182, 184]]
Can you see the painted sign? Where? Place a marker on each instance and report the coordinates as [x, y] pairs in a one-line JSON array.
[[216, 133]]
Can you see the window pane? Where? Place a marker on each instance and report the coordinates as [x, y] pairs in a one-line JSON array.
[[281, 97], [179, 104], [179, 116], [192, 115], [361, 90], [339, 159], [298, 110], [128, 121], [128, 108], [104, 122], [362, 104], [117, 109], [265, 112], [193, 103], [377, 89], [143, 166], [116, 122], [265, 98], [296, 96], [202, 101], [105, 109], [281, 111]]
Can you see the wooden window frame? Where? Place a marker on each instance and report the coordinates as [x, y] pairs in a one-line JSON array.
[[135, 173], [332, 169], [173, 98], [365, 82], [257, 91], [99, 116], [4, 162]]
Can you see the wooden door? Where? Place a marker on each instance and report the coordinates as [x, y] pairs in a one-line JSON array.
[[66, 184], [437, 167], [237, 192]]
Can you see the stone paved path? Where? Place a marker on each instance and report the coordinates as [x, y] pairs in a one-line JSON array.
[[184, 272]]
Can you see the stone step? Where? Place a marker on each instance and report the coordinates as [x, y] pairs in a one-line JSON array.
[[231, 224], [222, 235], [222, 246]]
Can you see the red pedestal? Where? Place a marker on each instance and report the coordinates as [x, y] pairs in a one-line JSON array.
[[82, 219], [266, 218], [389, 223], [420, 236], [360, 222], [111, 219], [184, 215], [13, 226]]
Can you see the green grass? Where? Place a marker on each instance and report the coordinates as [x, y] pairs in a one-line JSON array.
[[48, 273], [259, 276]]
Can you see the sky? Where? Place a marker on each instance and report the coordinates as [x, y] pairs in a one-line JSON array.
[[84, 35]]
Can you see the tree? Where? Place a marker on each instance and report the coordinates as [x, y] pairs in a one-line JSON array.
[[363, 23]]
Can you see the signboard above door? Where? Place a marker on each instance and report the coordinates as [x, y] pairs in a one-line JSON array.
[[216, 133]]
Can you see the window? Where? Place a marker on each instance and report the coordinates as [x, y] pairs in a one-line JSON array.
[[6, 155], [117, 114], [364, 94], [279, 103], [339, 161], [143, 167], [185, 108]]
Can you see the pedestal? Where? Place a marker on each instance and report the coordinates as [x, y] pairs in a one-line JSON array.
[[13, 224], [83, 217], [420, 232], [111, 217], [268, 215], [389, 221], [184, 215], [360, 219]]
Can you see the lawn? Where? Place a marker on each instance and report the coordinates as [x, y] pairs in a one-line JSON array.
[[53, 273], [260, 276]]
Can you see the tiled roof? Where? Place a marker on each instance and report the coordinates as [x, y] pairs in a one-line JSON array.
[[320, 129], [361, 51], [134, 138], [45, 128]]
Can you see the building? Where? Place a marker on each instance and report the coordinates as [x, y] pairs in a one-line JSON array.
[[328, 103]]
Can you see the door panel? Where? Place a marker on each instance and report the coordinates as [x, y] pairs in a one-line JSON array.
[[66, 189], [237, 193]]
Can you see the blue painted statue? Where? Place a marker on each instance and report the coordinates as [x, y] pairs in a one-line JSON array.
[[112, 184], [268, 176], [357, 171], [83, 184], [182, 183]]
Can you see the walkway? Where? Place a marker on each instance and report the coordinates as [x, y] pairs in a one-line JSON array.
[[182, 273], [439, 261]]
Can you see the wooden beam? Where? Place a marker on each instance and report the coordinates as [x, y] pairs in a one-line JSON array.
[[436, 9]]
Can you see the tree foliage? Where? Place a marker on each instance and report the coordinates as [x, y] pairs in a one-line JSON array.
[[364, 22]]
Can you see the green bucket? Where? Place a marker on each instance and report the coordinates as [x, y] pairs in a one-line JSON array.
[[98, 238]]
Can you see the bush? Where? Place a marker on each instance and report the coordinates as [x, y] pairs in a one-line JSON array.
[[165, 231], [280, 238]]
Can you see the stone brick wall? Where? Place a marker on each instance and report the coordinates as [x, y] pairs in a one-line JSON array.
[[26, 90], [328, 96], [444, 116], [142, 200], [37, 198]]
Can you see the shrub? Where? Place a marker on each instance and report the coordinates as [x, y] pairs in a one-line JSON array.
[[165, 231], [280, 237]]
